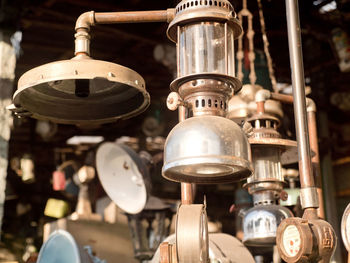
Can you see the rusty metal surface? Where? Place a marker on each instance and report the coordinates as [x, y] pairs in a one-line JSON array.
[[315, 239], [81, 91]]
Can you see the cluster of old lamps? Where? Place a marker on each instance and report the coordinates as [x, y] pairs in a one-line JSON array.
[[205, 147]]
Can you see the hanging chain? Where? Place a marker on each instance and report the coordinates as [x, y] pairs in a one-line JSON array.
[[250, 36], [266, 48]]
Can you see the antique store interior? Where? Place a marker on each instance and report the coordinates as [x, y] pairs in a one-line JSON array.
[[174, 131]]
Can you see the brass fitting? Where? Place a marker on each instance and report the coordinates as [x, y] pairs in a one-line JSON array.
[[306, 240]]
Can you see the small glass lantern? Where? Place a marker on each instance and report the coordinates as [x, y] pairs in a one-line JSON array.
[[149, 228], [204, 33]]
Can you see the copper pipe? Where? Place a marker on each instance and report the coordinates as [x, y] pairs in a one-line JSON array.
[[264, 95], [311, 117], [312, 125], [88, 19], [186, 193], [260, 107], [134, 17], [165, 255], [282, 98], [186, 188]]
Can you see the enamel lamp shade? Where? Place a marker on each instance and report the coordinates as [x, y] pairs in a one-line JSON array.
[[123, 176]]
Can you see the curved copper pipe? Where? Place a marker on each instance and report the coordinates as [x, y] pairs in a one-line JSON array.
[[88, 19]]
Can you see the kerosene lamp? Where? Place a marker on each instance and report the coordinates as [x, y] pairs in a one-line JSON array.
[[206, 147], [269, 152]]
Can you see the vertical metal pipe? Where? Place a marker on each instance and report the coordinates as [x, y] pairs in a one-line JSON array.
[[311, 114], [296, 62], [186, 188], [260, 107], [226, 50]]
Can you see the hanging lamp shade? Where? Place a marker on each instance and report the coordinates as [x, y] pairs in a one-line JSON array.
[[206, 150], [80, 91]]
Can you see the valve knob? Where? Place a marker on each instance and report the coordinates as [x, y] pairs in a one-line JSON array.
[[173, 101], [284, 196]]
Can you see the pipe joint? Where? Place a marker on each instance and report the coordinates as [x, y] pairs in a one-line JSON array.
[[262, 95], [309, 197], [170, 14], [310, 105], [82, 42], [85, 21]]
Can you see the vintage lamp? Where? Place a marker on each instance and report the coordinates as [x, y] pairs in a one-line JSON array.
[[125, 177], [269, 152], [205, 148]]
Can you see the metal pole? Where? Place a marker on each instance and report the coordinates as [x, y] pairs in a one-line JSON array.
[[308, 193]]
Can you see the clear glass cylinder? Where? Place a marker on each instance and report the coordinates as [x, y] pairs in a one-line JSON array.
[[206, 47], [267, 164]]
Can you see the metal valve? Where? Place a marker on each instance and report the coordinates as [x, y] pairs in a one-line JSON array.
[[173, 101], [302, 240]]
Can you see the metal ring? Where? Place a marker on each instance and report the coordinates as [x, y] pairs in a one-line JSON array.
[[192, 242]]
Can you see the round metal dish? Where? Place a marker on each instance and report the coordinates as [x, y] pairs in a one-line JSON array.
[[81, 91], [289, 148]]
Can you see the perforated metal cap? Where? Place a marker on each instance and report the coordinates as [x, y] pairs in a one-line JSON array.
[[189, 11]]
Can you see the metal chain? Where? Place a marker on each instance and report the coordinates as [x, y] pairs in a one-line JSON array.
[[266, 48], [250, 36]]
